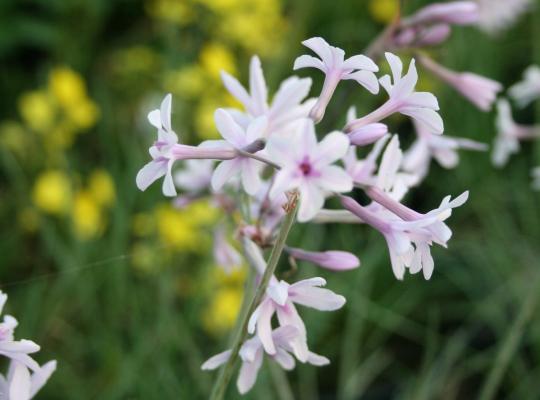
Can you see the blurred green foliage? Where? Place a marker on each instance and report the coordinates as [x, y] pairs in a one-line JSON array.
[[122, 310]]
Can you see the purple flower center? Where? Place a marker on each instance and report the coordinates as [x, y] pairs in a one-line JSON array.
[[305, 167]]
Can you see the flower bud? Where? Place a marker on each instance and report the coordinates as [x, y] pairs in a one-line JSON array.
[[368, 134], [333, 260]]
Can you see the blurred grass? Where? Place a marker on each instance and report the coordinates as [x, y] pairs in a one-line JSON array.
[[119, 333]]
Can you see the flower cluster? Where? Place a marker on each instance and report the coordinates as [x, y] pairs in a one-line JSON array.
[[25, 376], [270, 161]]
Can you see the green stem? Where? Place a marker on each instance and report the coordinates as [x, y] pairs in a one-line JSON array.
[[226, 372]]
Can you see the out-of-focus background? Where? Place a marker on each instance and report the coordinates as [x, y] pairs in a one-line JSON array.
[[121, 288]]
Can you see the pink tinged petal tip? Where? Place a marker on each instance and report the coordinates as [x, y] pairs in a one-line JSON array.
[[368, 134], [333, 260]]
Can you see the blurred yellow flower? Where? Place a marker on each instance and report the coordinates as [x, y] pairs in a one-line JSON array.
[[67, 86], [201, 213], [52, 192], [223, 310], [176, 229], [14, 138], [87, 218], [28, 219], [175, 11], [101, 187], [37, 110], [216, 57], [83, 113], [189, 81], [204, 119], [383, 11], [143, 224], [236, 278]]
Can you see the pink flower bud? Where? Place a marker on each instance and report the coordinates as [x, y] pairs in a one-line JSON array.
[[368, 134], [333, 260], [185, 152], [434, 35], [455, 12]]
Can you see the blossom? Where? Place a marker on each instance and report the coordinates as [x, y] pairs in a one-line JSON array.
[[333, 260], [21, 384], [421, 106], [226, 256], [196, 176], [408, 234], [332, 62], [444, 149], [496, 15], [528, 89], [368, 134], [307, 166], [280, 298], [243, 139], [286, 107], [509, 133], [52, 192], [453, 12], [480, 91], [252, 354], [420, 36]]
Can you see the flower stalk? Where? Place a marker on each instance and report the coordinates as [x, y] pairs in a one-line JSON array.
[[225, 375]]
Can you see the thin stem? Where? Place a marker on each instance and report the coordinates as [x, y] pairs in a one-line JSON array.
[[226, 372], [258, 158]]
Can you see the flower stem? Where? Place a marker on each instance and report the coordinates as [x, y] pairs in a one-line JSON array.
[[226, 372]]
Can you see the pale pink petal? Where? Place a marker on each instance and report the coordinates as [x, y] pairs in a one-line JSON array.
[[426, 116], [229, 129], [251, 180], [360, 62], [284, 181], [256, 129], [248, 373], [165, 112], [154, 117], [257, 87], [317, 360], [311, 201], [307, 61], [19, 382], [223, 173], [150, 173], [333, 147], [39, 378], [365, 78], [168, 183], [284, 359], [335, 179], [236, 89], [289, 95], [264, 326], [217, 360], [423, 99], [321, 48], [315, 297], [390, 163], [396, 66]]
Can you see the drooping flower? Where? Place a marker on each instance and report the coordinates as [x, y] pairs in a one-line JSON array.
[[496, 15], [239, 138], [444, 149], [332, 63], [280, 299], [421, 106], [333, 260], [286, 107], [479, 90], [509, 134], [453, 12], [252, 355], [408, 234], [166, 150], [528, 89], [307, 166]]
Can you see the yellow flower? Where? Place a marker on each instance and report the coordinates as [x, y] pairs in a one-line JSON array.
[[87, 218], [83, 113], [176, 230], [201, 213], [37, 110], [189, 81], [101, 187], [215, 57], [52, 192], [223, 310], [28, 219], [383, 11], [223, 6], [176, 11], [236, 278], [204, 119], [67, 86]]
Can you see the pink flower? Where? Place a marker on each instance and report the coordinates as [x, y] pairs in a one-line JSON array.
[[286, 107], [281, 298], [238, 138], [453, 12], [421, 106], [496, 15], [528, 89], [481, 91], [444, 149], [332, 63], [509, 134], [408, 234], [368, 134], [333, 260], [307, 166], [225, 255], [252, 354]]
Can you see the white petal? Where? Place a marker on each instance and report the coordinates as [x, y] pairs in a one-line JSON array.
[[317, 360], [154, 117], [284, 359], [229, 129], [405, 86], [426, 116], [333, 147], [257, 87], [166, 112], [224, 172], [256, 129], [217, 360], [360, 62], [311, 201], [318, 298], [248, 373], [395, 65], [264, 326], [40, 378], [335, 179], [390, 163], [289, 95], [283, 182], [307, 61], [19, 384], [168, 184], [321, 48], [423, 99], [236, 89], [366, 79]]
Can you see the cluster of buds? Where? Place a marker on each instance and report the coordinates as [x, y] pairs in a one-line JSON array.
[[270, 162], [25, 376], [510, 133]]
